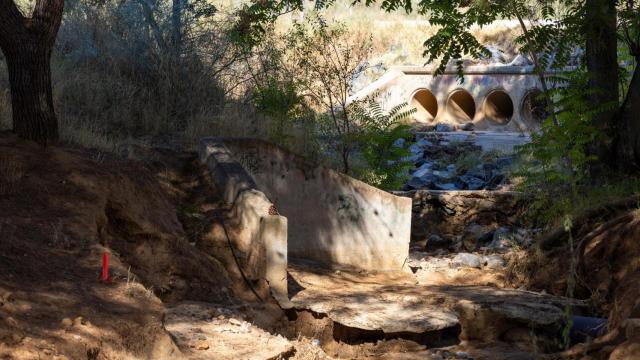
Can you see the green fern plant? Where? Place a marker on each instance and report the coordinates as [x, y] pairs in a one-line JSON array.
[[379, 143]]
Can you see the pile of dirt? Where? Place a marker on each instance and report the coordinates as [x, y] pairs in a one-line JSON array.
[[60, 209], [606, 258]]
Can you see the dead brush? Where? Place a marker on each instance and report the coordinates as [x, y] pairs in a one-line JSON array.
[[11, 174], [134, 289]]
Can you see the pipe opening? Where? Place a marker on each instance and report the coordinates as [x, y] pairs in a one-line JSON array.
[[425, 104], [461, 105], [533, 109], [498, 107]]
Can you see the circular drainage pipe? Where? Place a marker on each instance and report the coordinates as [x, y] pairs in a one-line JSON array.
[[461, 106], [498, 107], [426, 105], [533, 108]]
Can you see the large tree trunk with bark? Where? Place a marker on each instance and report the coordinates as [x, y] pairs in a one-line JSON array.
[[31, 95], [27, 44], [602, 63], [628, 139]]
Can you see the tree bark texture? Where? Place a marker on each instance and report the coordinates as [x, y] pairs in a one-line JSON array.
[[27, 44], [628, 139], [602, 64]]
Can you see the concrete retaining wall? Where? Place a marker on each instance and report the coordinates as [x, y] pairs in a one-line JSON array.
[[259, 236], [333, 218]]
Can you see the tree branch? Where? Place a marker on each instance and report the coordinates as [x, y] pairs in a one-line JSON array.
[[46, 19]]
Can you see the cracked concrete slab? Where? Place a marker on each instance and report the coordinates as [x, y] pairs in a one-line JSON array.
[[393, 302]]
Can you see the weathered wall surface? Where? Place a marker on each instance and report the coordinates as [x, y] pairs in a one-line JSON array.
[[257, 234], [402, 83], [333, 218]]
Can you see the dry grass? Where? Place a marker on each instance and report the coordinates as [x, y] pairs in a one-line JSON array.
[[107, 101]]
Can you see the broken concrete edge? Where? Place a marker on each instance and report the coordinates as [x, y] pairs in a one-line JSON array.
[[263, 236], [334, 219]]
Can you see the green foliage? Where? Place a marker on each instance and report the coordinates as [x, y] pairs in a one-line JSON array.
[[378, 141], [557, 28], [280, 101], [468, 161], [556, 161]]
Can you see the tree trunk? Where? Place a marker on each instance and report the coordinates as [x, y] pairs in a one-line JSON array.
[[176, 33], [27, 43], [628, 139], [31, 94], [602, 64]]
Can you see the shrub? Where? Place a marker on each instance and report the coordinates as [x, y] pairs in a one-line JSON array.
[[383, 141]]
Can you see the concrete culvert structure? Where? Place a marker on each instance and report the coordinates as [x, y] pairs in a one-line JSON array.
[[426, 105], [461, 106], [533, 108], [498, 107]]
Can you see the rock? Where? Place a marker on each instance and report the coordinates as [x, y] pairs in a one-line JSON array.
[[434, 241], [415, 148], [478, 172], [66, 322], [13, 323], [446, 186], [486, 238], [202, 345], [435, 263], [472, 182], [472, 235], [423, 143], [423, 170], [451, 168], [79, 321], [496, 180], [523, 237], [520, 60], [399, 143], [467, 127], [443, 174], [440, 127], [421, 182], [494, 262], [467, 260], [495, 56], [489, 167], [502, 239], [413, 158]]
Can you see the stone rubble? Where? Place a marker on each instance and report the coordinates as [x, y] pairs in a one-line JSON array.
[[435, 167]]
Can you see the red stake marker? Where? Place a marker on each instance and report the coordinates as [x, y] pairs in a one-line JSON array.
[[105, 267]]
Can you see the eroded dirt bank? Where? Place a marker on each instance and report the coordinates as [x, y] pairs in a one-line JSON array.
[[176, 291]]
